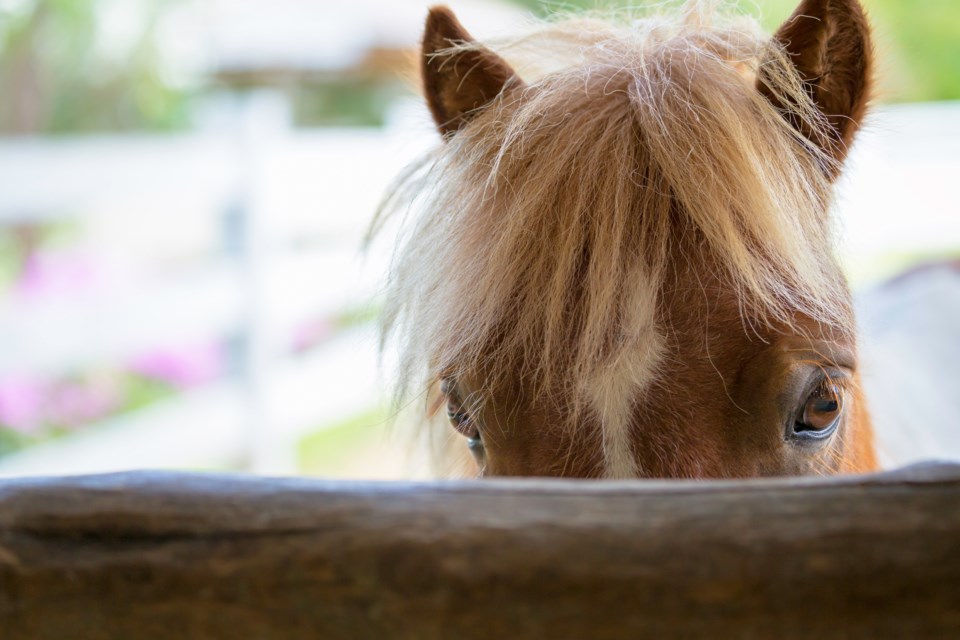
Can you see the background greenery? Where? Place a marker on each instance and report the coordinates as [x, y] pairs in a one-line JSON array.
[[918, 43], [55, 78]]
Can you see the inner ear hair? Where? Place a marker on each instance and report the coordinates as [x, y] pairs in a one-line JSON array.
[[458, 83]]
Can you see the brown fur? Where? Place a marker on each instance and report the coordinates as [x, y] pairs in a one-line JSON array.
[[624, 266], [715, 411]]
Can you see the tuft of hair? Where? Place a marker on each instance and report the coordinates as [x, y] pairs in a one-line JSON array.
[[537, 239]]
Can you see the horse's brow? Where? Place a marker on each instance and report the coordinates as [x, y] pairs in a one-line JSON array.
[[833, 353]]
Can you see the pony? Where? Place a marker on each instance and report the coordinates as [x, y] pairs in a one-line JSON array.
[[619, 262]]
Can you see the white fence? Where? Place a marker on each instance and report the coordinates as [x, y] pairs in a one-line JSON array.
[[286, 211]]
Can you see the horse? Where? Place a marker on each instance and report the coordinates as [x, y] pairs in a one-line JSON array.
[[619, 262]]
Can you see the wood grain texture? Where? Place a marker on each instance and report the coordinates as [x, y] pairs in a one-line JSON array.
[[182, 556]]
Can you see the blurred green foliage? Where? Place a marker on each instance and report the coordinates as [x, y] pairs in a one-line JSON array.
[[918, 42], [57, 75], [333, 449], [346, 101]]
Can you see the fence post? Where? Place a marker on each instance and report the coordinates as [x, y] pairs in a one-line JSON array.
[[264, 119]]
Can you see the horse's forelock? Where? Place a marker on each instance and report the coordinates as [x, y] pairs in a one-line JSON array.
[[542, 230]]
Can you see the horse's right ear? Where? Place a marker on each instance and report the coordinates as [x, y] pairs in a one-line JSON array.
[[459, 83]]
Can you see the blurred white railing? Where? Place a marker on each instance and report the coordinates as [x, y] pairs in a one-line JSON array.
[[286, 211]]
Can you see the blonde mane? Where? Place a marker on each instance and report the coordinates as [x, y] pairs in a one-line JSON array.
[[537, 239]]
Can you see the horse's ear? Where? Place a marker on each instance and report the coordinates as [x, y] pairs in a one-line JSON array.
[[458, 84], [828, 42]]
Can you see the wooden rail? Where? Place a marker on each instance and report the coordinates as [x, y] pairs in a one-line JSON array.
[[180, 556]]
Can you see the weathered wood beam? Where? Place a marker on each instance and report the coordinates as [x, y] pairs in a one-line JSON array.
[[180, 556]]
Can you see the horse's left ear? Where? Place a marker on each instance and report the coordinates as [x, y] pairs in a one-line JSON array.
[[458, 85], [828, 42]]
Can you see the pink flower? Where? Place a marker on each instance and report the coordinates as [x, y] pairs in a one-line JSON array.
[[71, 404], [21, 405], [182, 367], [310, 334], [51, 275]]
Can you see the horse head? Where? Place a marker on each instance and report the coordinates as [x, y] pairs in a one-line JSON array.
[[619, 262]]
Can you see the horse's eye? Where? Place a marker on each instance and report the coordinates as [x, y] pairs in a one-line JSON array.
[[462, 421], [820, 414]]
